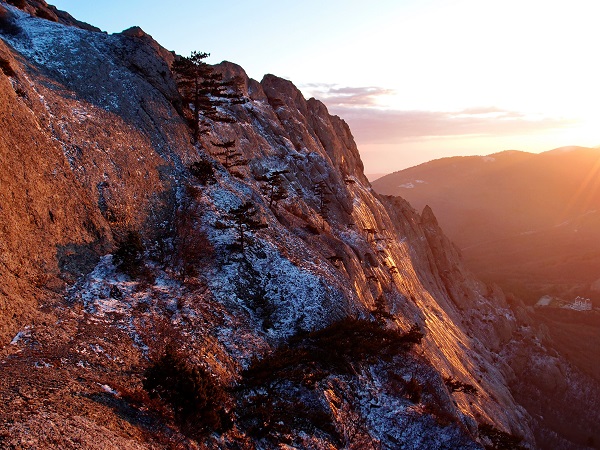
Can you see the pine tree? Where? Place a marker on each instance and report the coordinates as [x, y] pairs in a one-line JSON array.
[[322, 191], [273, 188], [230, 157], [189, 75], [192, 246], [244, 220], [204, 89], [203, 171]]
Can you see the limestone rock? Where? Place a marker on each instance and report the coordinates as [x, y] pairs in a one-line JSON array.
[[98, 148]]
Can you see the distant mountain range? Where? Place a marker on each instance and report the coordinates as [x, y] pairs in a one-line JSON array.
[[530, 222]]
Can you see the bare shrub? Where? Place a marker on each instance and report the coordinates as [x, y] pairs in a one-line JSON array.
[[458, 386], [267, 415], [269, 411], [441, 416], [129, 253], [192, 247], [411, 390], [309, 357], [495, 439], [196, 398], [203, 171]]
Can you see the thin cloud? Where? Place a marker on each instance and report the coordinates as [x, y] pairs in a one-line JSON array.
[[481, 110], [360, 107], [375, 126], [333, 95]]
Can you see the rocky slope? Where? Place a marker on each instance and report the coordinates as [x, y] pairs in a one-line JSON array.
[[350, 325]]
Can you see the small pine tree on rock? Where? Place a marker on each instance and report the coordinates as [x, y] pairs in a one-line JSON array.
[[323, 191], [204, 90], [203, 171], [244, 220], [273, 188], [189, 73], [229, 155]]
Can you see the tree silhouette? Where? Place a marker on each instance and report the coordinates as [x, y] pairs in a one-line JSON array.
[[203, 90], [189, 75], [229, 156], [273, 188], [244, 220], [203, 171], [192, 246], [322, 191], [197, 399], [128, 257]]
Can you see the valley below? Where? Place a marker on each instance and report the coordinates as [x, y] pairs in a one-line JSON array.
[[528, 222]]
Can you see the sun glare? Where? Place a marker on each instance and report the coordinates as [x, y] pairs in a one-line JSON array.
[[587, 191]]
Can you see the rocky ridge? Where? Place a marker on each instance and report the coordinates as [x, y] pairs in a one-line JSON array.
[[95, 145]]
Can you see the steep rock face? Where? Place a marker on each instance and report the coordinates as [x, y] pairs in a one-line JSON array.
[[82, 150], [469, 302], [100, 144], [39, 8], [48, 220], [140, 53], [330, 132]]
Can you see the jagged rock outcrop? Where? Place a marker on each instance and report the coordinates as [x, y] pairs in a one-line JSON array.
[[39, 8], [68, 155], [98, 149]]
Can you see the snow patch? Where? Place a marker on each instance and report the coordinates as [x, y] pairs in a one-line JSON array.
[[106, 388], [20, 335], [412, 184]]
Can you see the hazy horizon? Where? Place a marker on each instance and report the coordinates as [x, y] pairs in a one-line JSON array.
[[375, 175], [415, 81]]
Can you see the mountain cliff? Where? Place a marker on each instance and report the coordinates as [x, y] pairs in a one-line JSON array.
[[154, 295]]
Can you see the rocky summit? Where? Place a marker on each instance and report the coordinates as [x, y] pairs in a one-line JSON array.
[[237, 285]]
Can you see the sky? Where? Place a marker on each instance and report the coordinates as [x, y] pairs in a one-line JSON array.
[[416, 80]]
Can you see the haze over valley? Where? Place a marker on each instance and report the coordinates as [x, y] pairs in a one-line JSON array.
[[530, 222]]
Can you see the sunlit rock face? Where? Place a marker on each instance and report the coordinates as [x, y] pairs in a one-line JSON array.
[[97, 147]]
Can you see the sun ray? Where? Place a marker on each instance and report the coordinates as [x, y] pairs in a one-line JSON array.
[[588, 190]]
